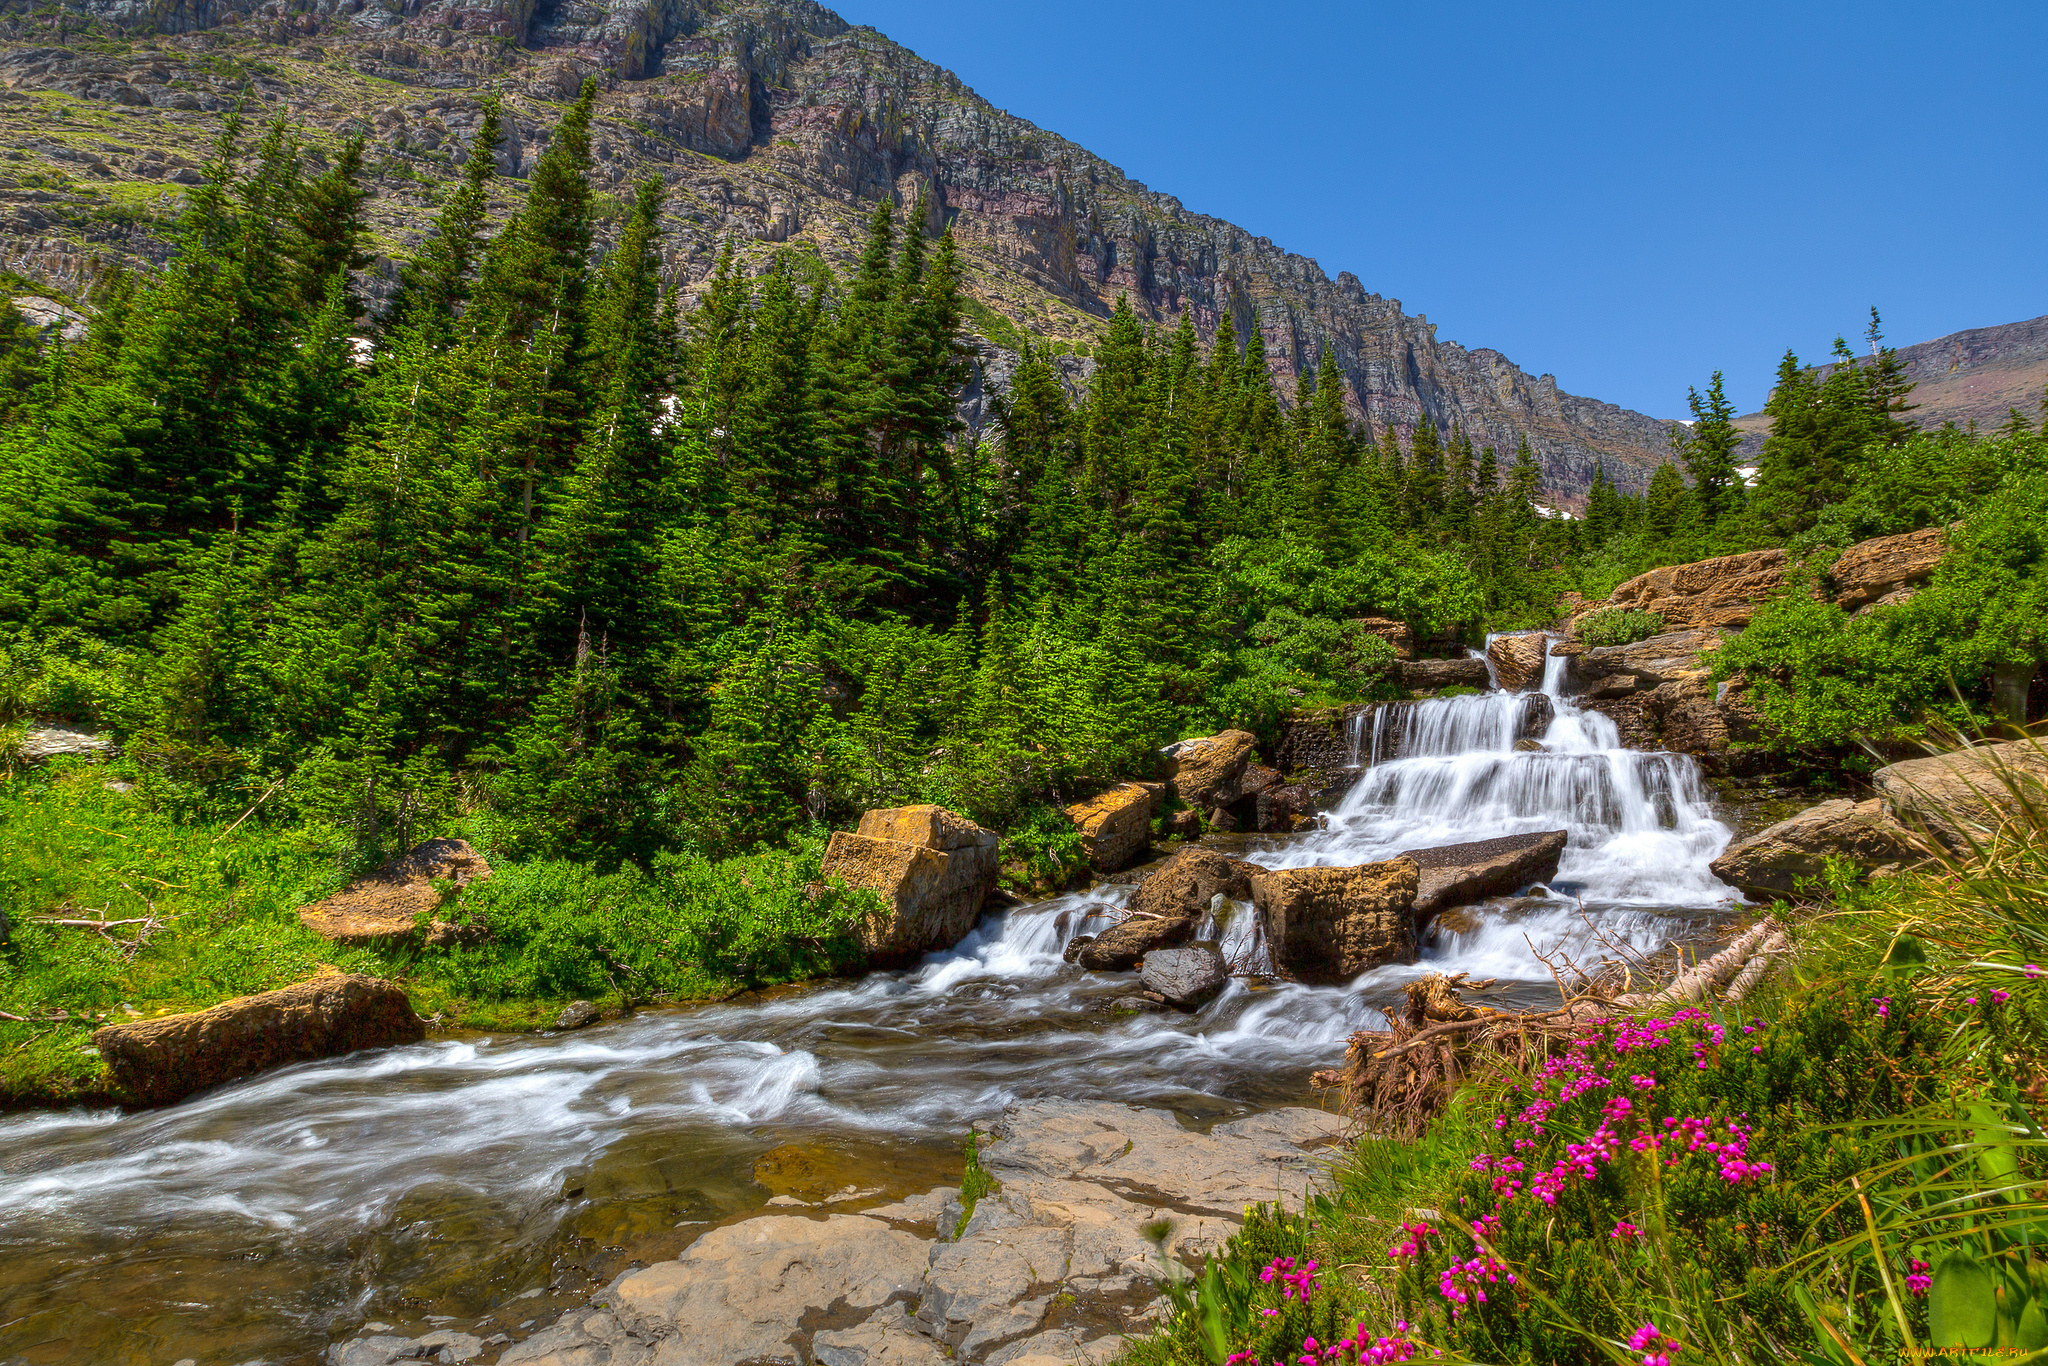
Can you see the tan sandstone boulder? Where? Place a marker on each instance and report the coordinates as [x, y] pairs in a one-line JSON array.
[[1398, 634], [1718, 592], [1330, 924], [1772, 862], [933, 868], [1617, 670], [1965, 796], [1870, 570], [385, 906], [1204, 773], [1517, 661], [165, 1059], [1115, 825]]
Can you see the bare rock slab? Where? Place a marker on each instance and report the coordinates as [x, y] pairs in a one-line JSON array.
[[1874, 569], [1706, 593], [1428, 675], [1204, 773], [385, 906], [166, 1059], [1330, 924], [40, 744], [1772, 862], [739, 1293], [1461, 874]]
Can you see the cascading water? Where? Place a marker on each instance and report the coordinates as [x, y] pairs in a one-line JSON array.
[[445, 1183]]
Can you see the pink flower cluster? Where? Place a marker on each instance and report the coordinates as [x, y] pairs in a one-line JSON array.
[[1294, 1282], [1464, 1283], [1356, 1350], [1655, 1345], [1412, 1247], [1918, 1282]]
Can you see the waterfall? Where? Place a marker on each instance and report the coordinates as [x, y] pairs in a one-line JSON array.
[[1641, 827]]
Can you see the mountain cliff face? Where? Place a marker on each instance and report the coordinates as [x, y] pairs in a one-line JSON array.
[[770, 122]]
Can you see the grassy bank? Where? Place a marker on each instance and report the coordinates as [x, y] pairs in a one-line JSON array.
[[1845, 1168], [201, 908]]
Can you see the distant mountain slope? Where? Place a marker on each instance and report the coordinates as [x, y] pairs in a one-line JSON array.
[[1974, 376], [771, 123]]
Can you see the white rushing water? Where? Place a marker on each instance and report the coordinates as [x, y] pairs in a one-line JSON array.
[[326, 1173]]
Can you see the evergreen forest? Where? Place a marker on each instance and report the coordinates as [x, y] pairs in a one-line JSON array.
[[540, 554]]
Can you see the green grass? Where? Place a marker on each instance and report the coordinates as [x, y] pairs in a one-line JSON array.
[[223, 898]]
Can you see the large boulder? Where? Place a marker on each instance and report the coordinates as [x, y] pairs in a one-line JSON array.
[[1772, 862], [1460, 874], [1167, 908], [168, 1058], [1330, 924], [1428, 675], [1965, 796], [1204, 772], [1707, 593], [932, 867], [385, 907], [1115, 825], [1870, 570], [1518, 660], [1186, 979]]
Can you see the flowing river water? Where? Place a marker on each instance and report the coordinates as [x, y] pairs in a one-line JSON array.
[[486, 1183]]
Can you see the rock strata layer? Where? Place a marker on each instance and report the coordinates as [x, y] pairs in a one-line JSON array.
[[1052, 1268], [1115, 825], [166, 1059]]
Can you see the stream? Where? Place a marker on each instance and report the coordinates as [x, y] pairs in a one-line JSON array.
[[487, 1183]]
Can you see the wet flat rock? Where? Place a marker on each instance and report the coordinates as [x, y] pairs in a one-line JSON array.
[[1052, 1267]]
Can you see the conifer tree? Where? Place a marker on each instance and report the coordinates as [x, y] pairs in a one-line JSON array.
[[1708, 450]]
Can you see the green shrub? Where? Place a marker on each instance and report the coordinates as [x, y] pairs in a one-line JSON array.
[[1620, 626], [1043, 852]]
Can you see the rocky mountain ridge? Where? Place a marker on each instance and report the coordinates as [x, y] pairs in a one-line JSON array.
[[772, 123], [1976, 376]]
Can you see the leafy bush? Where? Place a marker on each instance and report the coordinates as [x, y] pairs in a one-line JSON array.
[[691, 925], [1620, 626], [1043, 852], [1823, 677]]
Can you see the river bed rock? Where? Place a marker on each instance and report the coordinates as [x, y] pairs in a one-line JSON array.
[[1168, 907], [1327, 925], [40, 744], [1460, 874], [1054, 1266], [1186, 979], [1772, 862], [165, 1059], [933, 867], [385, 907]]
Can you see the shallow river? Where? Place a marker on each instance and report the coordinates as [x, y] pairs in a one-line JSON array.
[[486, 1183]]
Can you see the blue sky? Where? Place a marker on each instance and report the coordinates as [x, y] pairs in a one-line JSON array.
[[1628, 196]]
